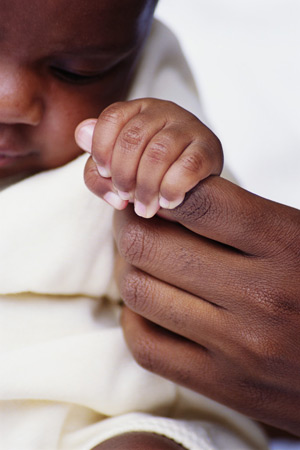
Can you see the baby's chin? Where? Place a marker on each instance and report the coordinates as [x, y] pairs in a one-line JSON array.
[[7, 181], [11, 175], [16, 169]]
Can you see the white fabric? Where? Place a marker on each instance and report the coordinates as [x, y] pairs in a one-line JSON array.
[[67, 380]]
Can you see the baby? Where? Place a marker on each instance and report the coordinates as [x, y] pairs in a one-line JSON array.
[[151, 151], [67, 379]]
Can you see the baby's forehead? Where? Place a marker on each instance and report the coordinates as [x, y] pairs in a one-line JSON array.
[[82, 22]]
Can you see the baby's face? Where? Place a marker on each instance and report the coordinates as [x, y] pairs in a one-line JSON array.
[[61, 61]]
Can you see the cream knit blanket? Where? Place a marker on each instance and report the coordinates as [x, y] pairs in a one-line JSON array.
[[67, 380]]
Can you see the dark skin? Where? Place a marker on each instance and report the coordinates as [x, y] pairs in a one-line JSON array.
[[69, 67], [138, 441], [217, 294], [59, 64], [40, 106]]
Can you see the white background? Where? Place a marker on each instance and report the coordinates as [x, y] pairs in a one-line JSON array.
[[245, 58]]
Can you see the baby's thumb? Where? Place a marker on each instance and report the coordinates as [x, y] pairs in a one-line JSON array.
[[84, 134]]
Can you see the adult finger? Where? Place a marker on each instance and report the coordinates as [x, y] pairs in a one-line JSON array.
[[207, 323], [228, 378], [226, 213], [168, 354], [190, 262]]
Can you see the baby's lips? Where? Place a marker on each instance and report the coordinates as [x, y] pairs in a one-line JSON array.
[[84, 134]]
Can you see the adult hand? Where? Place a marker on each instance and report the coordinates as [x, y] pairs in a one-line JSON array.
[[213, 300]]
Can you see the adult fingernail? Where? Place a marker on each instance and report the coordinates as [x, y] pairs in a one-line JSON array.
[[166, 204], [114, 200], [84, 136]]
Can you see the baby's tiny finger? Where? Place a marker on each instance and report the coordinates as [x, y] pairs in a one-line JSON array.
[[186, 172], [146, 211], [109, 125], [102, 187], [166, 204], [84, 134], [161, 152]]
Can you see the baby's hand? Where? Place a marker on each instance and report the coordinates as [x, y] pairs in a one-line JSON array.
[[150, 152]]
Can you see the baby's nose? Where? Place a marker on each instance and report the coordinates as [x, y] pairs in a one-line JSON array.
[[19, 98]]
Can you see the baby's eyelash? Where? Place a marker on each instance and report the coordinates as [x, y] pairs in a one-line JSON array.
[[74, 77]]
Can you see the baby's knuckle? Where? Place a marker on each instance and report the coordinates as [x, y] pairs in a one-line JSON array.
[[158, 151], [193, 162], [211, 144], [123, 181], [92, 179], [113, 114], [131, 139]]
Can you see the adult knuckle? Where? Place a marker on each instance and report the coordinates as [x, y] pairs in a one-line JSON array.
[[134, 290], [258, 394], [189, 261], [275, 300], [251, 374], [287, 238], [145, 354], [134, 246], [259, 348], [274, 360], [200, 204], [130, 243], [268, 350]]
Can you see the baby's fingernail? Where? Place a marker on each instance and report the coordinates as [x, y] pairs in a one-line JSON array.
[[164, 203], [114, 200], [84, 136], [103, 171], [146, 211], [124, 195], [140, 209]]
